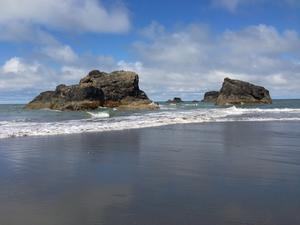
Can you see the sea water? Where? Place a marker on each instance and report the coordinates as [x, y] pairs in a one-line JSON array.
[[16, 121]]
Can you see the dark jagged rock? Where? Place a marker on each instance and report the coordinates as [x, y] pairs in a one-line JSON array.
[[69, 98], [116, 85], [211, 96], [175, 100], [116, 89], [240, 92]]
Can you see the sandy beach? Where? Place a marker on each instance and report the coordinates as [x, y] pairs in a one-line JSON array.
[[209, 173]]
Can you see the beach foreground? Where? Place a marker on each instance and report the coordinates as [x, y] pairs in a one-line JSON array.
[[209, 173]]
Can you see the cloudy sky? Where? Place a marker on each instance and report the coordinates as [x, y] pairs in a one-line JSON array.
[[179, 48]]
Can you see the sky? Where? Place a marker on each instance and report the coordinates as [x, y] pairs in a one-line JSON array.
[[178, 47]]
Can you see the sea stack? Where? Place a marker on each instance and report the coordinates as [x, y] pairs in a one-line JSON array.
[[236, 92], [98, 89], [240, 92]]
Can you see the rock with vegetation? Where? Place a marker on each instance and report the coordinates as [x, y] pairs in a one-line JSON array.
[[98, 89]]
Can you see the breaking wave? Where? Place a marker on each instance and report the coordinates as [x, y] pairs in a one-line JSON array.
[[102, 121]]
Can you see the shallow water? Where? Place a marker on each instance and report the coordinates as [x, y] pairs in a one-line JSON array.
[[209, 173]]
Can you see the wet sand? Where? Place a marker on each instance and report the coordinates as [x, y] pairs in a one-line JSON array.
[[210, 173]]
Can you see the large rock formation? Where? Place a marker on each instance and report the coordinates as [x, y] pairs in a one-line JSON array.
[[211, 97], [116, 89], [240, 92]]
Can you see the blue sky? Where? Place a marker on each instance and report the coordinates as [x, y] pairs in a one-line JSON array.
[[179, 48]]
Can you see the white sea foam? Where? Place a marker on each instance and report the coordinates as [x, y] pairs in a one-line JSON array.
[[99, 114], [100, 121], [51, 110], [271, 110]]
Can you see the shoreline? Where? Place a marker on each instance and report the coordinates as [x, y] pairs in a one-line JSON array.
[[149, 127], [221, 173]]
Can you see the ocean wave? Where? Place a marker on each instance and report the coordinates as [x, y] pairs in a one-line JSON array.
[[101, 121], [271, 110]]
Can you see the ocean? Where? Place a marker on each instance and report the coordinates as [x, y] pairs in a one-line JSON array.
[[16, 121]]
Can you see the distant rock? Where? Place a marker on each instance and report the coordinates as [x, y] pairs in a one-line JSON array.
[[175, 100], [116, 89], [211, 97], [240, 92]]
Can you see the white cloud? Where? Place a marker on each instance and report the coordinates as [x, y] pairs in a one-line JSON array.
[[60, 53], [72, 74], [230, 5], [261, 39], [153, 30], [14, 65], [32, 22], [278, 80], [18, 75], [185, 62], [193, 60], [234, 5], [67, 15], [180, 47], [20, 31]]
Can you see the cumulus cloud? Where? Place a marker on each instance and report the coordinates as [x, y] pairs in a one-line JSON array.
[[193, 60], [31, 76], [33, 21], [60, 53], [233, 5], [18, 75], [24, 32], [70, 15], [184, 62], [14, 65]]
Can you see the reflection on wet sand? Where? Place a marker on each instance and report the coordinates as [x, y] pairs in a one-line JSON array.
[[216, 173]]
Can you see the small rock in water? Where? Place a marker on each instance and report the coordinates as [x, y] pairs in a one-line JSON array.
[[175, 100]]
